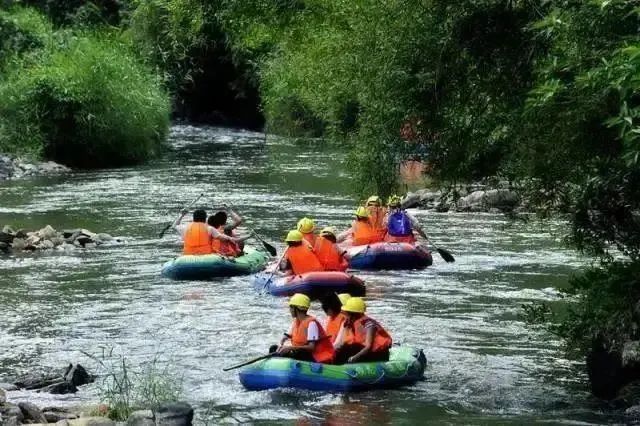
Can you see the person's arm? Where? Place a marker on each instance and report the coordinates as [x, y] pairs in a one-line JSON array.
[[313, 336], [368, 344], [235, 217], [344, 234], [214, 233], [176, 224], [338, 342], [416, 226]]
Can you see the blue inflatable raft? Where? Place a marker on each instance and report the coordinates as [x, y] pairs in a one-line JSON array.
[[388, 256], [313, 284], [406, 366]]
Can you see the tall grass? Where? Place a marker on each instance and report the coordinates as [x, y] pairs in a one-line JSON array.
[[85, 101], [124, 388]]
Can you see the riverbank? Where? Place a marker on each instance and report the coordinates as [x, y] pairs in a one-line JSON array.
[[12, 167], [473, 197]]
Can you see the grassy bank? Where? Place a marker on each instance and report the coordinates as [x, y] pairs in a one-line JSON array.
[[76, 97]]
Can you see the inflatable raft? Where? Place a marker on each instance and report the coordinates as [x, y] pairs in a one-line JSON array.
[[313, 284], [406, 365], [210, 266], [388, 256]]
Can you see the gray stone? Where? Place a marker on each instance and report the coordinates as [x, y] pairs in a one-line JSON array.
[[503, 199], [46, 245], [141, 418], [56, 416], [47, 232], [9, 410], [18, 244], [8, 387], [31, 412], [104, 237], [91, 421], [4, 247], [174, 414], [59, 388], [8, 230], [631, 353], [3, 396], [11, 421]]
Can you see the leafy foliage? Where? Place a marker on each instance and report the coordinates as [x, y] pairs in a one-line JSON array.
[[81, 99]]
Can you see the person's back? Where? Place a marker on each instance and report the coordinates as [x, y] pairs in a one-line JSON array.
[[363, 232], [377, 214], [328, 252], [196, 236], [219, 245], [299, 257]]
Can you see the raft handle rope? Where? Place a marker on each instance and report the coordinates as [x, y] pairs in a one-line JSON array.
[[383, 374]]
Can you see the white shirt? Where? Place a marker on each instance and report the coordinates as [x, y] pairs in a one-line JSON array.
[[182, 229], [313, 334]]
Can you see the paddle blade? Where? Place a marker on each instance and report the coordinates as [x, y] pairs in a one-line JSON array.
[[271, 249], [166, 228], [448, 257]]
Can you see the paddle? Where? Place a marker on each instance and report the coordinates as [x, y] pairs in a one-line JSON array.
[[277, 266], [268, 247], [448, 257], [233, 367], [166, 228]]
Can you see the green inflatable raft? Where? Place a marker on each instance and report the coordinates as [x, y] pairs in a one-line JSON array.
[[210, 266], [406, 365]]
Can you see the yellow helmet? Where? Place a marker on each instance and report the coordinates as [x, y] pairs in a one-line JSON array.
[[306, 225], [294, 236], [329, 230], [362, 212], [394, 201], [300, 301], [373, 199], [344, 297], [355, 305]]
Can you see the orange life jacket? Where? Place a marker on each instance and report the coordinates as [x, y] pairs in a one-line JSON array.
[[323, 351], [310, 238], [225, 248], [197, 239], [363, 233], [376, 218], [302, 259], [334, 324], [358, 332], [411, 239], [329, 255]]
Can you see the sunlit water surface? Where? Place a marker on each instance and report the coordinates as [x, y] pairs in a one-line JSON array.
[[485, 364]]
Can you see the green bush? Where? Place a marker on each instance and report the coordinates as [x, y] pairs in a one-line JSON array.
[[88, 103], [21, 31]]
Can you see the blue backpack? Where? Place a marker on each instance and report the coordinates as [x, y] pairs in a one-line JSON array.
[[399, 224]]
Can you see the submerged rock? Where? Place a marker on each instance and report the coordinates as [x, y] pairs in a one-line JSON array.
[[48, 238], [14, 168], [141, 418]]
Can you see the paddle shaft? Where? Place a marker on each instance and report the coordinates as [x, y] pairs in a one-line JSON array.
[[448, 257], [233, 367], [277, 266], [166, 228]]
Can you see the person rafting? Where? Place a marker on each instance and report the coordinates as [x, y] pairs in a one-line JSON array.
[[309, 342], [306, 226], [361, 231], [299, 257], [197, 235], [219, 222], [332, 307], [377, 213], [365, 339], [329, 254], [400, 224]]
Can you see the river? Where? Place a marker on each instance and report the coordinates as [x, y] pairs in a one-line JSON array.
[[485, 364]]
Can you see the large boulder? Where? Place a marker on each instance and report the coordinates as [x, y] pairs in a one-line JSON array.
[[477, 201], [472, 202], [174, 414], [141, 418], [77, 375], [31, 412], [91, 421]]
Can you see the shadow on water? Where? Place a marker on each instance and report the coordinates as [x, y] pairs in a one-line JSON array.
[[485, 364]]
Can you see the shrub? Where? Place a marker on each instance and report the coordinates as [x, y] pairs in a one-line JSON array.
[[88, 103]]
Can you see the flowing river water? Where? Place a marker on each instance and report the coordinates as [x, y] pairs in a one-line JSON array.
[[485, 364]]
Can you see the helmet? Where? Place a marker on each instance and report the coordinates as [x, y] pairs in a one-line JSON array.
[[306, 225], [294, 236], [355, 305], [300, 301], [373, 199], [329, 230], [394, 201], [362, 212], [344, 297]]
